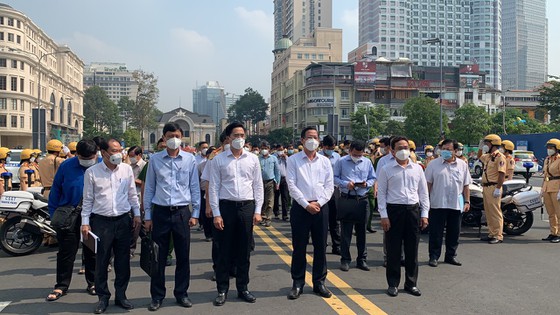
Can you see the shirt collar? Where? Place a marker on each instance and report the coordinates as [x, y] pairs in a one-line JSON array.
[[105, 168], [180, 155], [304, 156], [243, 153], [452, 162]]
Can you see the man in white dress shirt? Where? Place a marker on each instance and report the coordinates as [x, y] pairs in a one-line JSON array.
[[311, 185], [403, 206], [236, 193], [109, 194]]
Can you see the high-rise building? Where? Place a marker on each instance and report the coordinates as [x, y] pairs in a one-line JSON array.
[[210, 100], [525, 44], [399, 29], [296, 19], [41, 85], [113, 78]]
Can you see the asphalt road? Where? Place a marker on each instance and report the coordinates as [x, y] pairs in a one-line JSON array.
[[519, 276]]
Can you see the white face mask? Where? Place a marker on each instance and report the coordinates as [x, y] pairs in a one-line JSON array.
[[550, 152], [133, 160], [429, 154], [485, 148], [99, 154], [280, 153], [382, 151], [436, 152], [502, 150], [173, 143], [32, 159], [311, 144], [402, 154], [116, 159], [238, 143], [226, 147], [355, 158], [87, 163], [459, 153], [203, 152], [264, 152], [256, 152], [246, 149]]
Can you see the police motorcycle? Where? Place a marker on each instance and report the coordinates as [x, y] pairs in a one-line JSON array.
[[26, 220], [519, 200]]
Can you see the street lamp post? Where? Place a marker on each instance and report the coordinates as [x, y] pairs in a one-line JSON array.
[[504, 112], [431, 42]]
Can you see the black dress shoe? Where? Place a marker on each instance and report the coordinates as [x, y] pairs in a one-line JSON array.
[[549, 237], [556, 239], [247, 296], [124, 303], [344, 266], [392, 291], [220, 299], [413, 290], [91, 290], [403, 262], [154, 305], [432, 262], [371, 230], [453, 261], [485, 238], [336, 251], [494, 240], [362, 266], [322, 291], [101, 307], [184, 301], [295, 293]]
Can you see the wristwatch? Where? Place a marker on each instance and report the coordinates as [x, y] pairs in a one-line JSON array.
[[468, 202]]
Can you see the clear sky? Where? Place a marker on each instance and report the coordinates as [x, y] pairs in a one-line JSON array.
[[189, 42]]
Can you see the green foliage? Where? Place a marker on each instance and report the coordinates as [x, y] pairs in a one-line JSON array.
[[126, 109], [101, 115], [250, 106], [280, 136], [470, 124], [395, 127], [422, 120], [514, 124], [131, 138], [144, 115], [377, 117], [550, 98]]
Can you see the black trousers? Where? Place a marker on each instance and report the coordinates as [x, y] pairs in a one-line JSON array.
[[282, 195], [346, 239], [233, 243], [334, 224], [68, 243], [206, 222], [405, 220], [171, 224], [114, 237], [449, 219], [303, 223]]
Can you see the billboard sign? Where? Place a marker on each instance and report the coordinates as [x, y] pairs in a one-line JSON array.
[[314, 102], [365, 73]]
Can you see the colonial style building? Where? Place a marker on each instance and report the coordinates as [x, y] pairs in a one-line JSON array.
[[41, 85], [195, 127]]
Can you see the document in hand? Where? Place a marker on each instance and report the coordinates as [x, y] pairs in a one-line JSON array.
[[91, 241]]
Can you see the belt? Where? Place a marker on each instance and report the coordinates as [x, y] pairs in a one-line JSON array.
[[47, 188], [94, 215], [170, 208], [554, 178], [353, 196], [395, 205], [241, 203], [489, 184], [268, 180]]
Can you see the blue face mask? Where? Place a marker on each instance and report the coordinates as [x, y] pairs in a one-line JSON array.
[[446, 154], [8, 159], [328, 152], [290, 152]]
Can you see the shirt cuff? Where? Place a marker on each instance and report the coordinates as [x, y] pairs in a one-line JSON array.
[[424, 213], [216, 212], [383, 213], [85, 220], [257, 210], [148, 214], [195, 214]]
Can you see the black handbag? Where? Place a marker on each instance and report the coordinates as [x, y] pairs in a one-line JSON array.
[[351, 209], [149, 251], [65, 217]]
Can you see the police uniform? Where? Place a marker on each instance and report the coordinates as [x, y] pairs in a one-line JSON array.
[[428, 159], [550, 188], [510, 166], [413, 157], [4, 170], [464, 158], [23, 177], [47, 169], [494, 164]]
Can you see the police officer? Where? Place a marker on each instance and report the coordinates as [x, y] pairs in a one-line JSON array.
[[429, 152], [493, 177], [27, 159], [49, 165], [507, 150], [459, 153], [551, 189], [4, 156], [412, 147], [72, 147]]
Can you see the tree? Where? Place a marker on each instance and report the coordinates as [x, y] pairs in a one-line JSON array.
[[422, 120], [516, 123], [101, 115], [145, 112], [394, 127], [250, 107], [470, 125], [550, 98], [126, 108], [281, 136], [377, 117], [131, 138]]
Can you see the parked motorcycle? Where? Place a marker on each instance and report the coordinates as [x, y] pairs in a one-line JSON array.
[[25, 221], [518, 203]]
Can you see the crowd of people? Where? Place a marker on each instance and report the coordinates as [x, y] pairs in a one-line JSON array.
[[322, 188]]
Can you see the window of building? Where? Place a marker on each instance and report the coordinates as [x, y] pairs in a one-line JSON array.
[[3, 62], [1, 35], [21, 85], [3, 121], [1, 20], [10, 22], [344, 95], [22, 122], [14, 104], [14, 63], [299, 55], [14, 84], [22, 65], [10, 37], [18, 24], [22, 105], [344, 113], [3, 103], [18, 39], [14, 121]]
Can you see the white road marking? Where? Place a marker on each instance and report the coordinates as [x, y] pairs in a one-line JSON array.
[[4, 304]]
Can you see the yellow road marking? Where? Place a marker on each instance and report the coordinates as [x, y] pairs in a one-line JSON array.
[[334, 302], [354, 295]]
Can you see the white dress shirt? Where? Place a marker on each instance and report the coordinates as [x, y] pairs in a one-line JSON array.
[[384, 160], [108, 192], [403, 185], [448, 181], [310, 180], [234, 179]]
